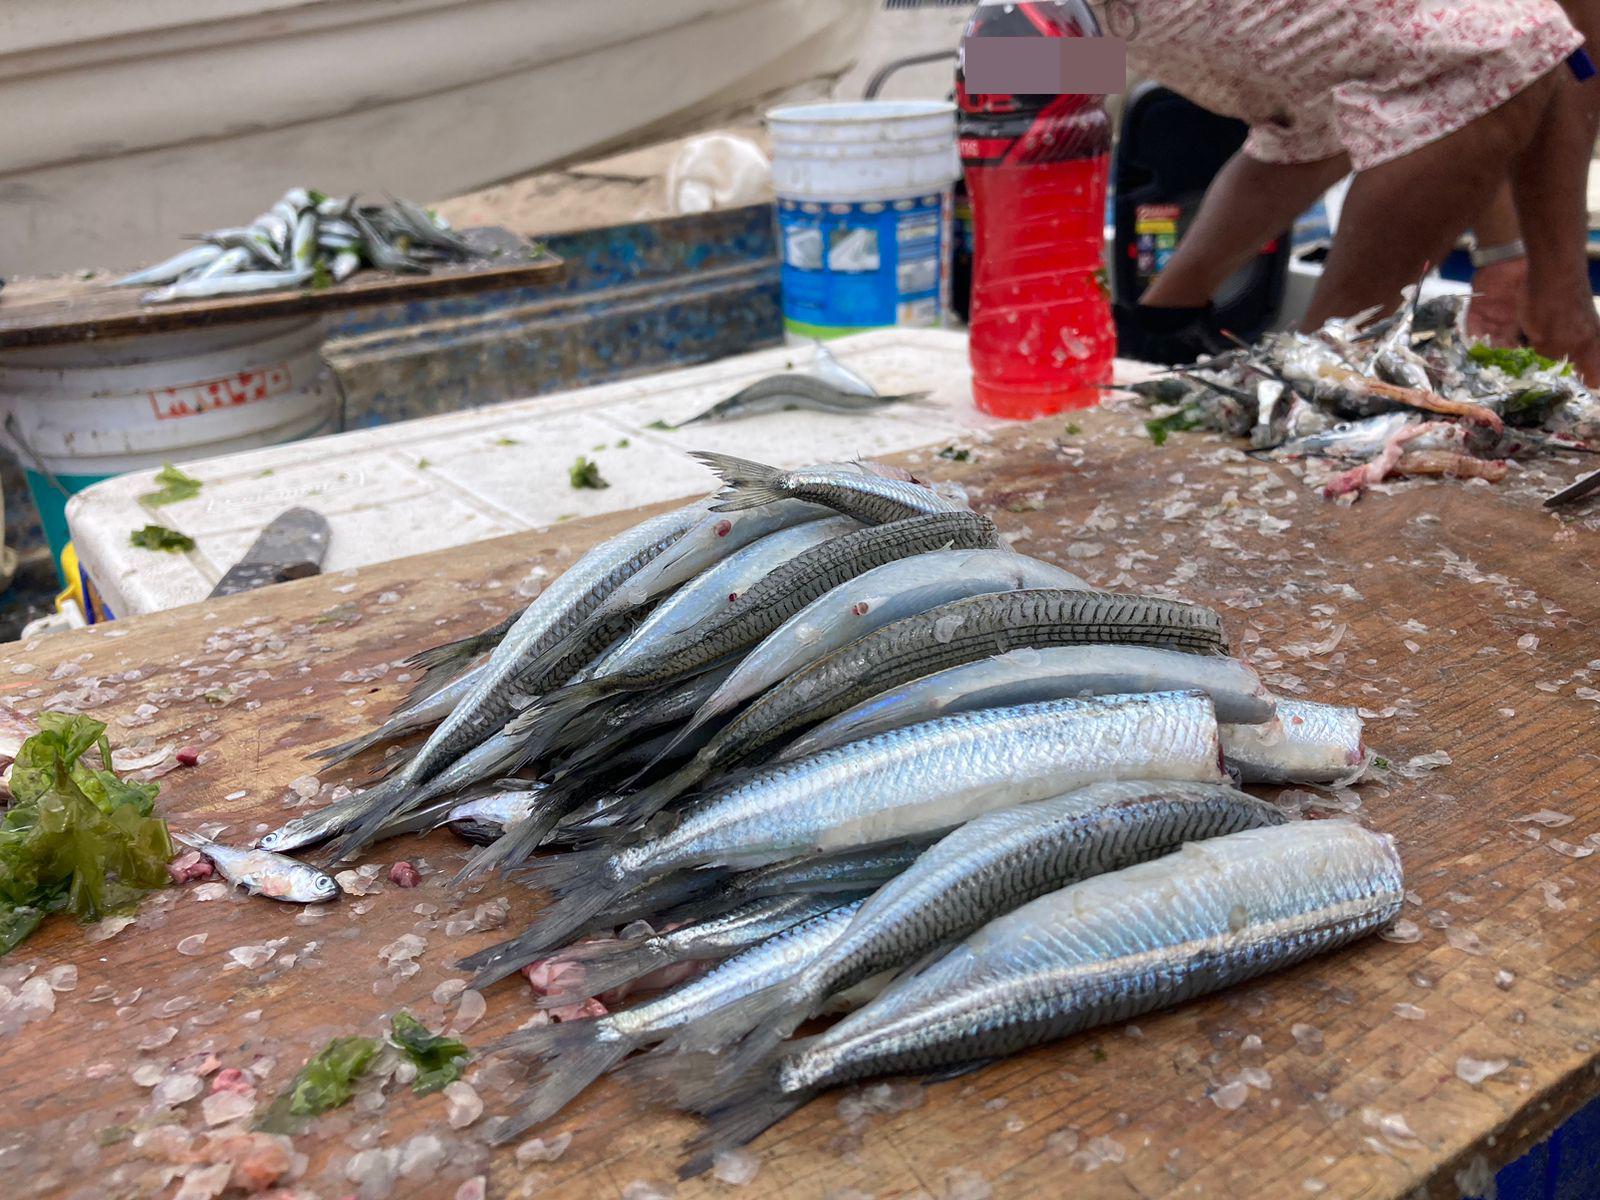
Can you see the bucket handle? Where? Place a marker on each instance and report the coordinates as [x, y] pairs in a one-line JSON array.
[[14, 432]]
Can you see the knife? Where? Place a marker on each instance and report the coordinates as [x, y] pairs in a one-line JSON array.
[[1576, 490], [290, 547]]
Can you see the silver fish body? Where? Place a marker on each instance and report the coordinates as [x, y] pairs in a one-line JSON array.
[[896, 786], [578, 1052], [874, 599], [1055, 672], [609, 964], [1349, 439], [1306, 743], [487, 815], [778, 393], [1117, 945], [982, 870], [868, 497], [228, 285], [178, 265], [264, 873], [717, 587]]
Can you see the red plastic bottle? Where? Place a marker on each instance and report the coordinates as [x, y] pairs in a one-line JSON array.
[[1041, 335]]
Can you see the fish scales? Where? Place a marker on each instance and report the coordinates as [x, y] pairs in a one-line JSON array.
[[1118, 945], [870, 498], [790, 587]]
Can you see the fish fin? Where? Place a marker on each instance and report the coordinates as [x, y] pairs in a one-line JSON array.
[[548, 715], [915, 398], [586, 881], [382, 803], [193, 840], [956, 1071], [721, 1027], [748, 484], [449, 655], [520, 839], [607, 965], [576, 1056], [745, 1114], [638, 807]]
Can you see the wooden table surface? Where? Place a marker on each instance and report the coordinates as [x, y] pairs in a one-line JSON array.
[[44, 312], [1462, 618]]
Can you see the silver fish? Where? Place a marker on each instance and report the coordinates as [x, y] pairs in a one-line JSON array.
[[579, 1052], [610, 963], [783, 393], [898, 785], [989, 866], [1307, 743], [872, 600], [487, 815], [263, 873], [561, 609], [1349, 439], [945, 636], [718, 586], [870, 498], [228, 285], [830, 370], [1058, 672], [768, 602], [165, 272], [1106, 949]]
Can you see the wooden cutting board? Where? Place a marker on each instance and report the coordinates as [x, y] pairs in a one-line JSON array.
[[1461, 616]]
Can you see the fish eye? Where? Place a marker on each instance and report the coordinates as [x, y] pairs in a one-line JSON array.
[[324, 884]]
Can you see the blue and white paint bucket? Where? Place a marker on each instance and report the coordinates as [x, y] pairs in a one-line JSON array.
[[864, 204]]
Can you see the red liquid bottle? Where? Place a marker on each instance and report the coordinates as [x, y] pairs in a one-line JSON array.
[[1041, 337]]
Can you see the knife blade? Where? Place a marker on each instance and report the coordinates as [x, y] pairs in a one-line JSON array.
[[1575, 490], [292, 546]]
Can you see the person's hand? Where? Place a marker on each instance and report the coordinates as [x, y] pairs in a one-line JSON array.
[[1498, 292], [1565, 331]]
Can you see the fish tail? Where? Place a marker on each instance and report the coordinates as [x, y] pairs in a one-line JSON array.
[[633, 810], [520, 839], [586, 881], [748, 484], [744, 1115], [333, 755], [607, 965], [549, 715], [777, 1006], [451, 654], [576, 1054]]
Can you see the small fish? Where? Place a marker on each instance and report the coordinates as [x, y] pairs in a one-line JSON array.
[[173, 268], [869, 498], [897, 785], [1143, 938], [984, 869], [1028, 675], [609, 963], [576, 1053], [783, 393], [228, 285], [1349, 439], [485, 817], [1306, 743], [263, 873]]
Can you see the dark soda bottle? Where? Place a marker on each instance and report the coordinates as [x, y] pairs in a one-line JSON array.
[[1041, 336]]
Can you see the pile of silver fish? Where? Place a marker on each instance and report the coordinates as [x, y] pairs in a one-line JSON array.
[[839, 747], [304, 239], [1408, 395]]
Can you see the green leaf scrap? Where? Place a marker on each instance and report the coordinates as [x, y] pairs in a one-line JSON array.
[[1515, 361], [438, 1059], [1159, 427], [956, 454], [586, 474], [159, 537], [658, 424], [326, 1081], [76, 838], [175, 486]]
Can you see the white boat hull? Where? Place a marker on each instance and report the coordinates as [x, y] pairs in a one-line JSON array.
[[133, 122]]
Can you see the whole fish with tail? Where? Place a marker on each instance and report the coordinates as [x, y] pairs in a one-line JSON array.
[[780, 393], [946, 636], [870, 498], [985, 869], [262, 873], [1106, 949], [576, 1053], [895, 786]]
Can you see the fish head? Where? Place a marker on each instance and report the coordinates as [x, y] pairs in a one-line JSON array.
[[321, 885]]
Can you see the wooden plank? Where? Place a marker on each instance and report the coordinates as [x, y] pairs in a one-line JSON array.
[[44, 312], [1410, 604]]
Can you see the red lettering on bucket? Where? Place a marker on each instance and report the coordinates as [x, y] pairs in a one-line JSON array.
[[229, 392]]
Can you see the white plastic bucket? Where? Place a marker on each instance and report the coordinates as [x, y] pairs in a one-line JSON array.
[[76, 414], [864, 192]]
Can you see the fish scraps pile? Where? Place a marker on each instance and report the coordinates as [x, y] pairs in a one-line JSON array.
[[1409, 395], [824, 738], [305, 239]]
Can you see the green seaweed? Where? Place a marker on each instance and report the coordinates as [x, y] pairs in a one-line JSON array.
[[956, 454], [586, 474], [1515, 361], [1181, 421], [76, 837], [159, 537], [175, 486], [438, 1059], [326, 1081]]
